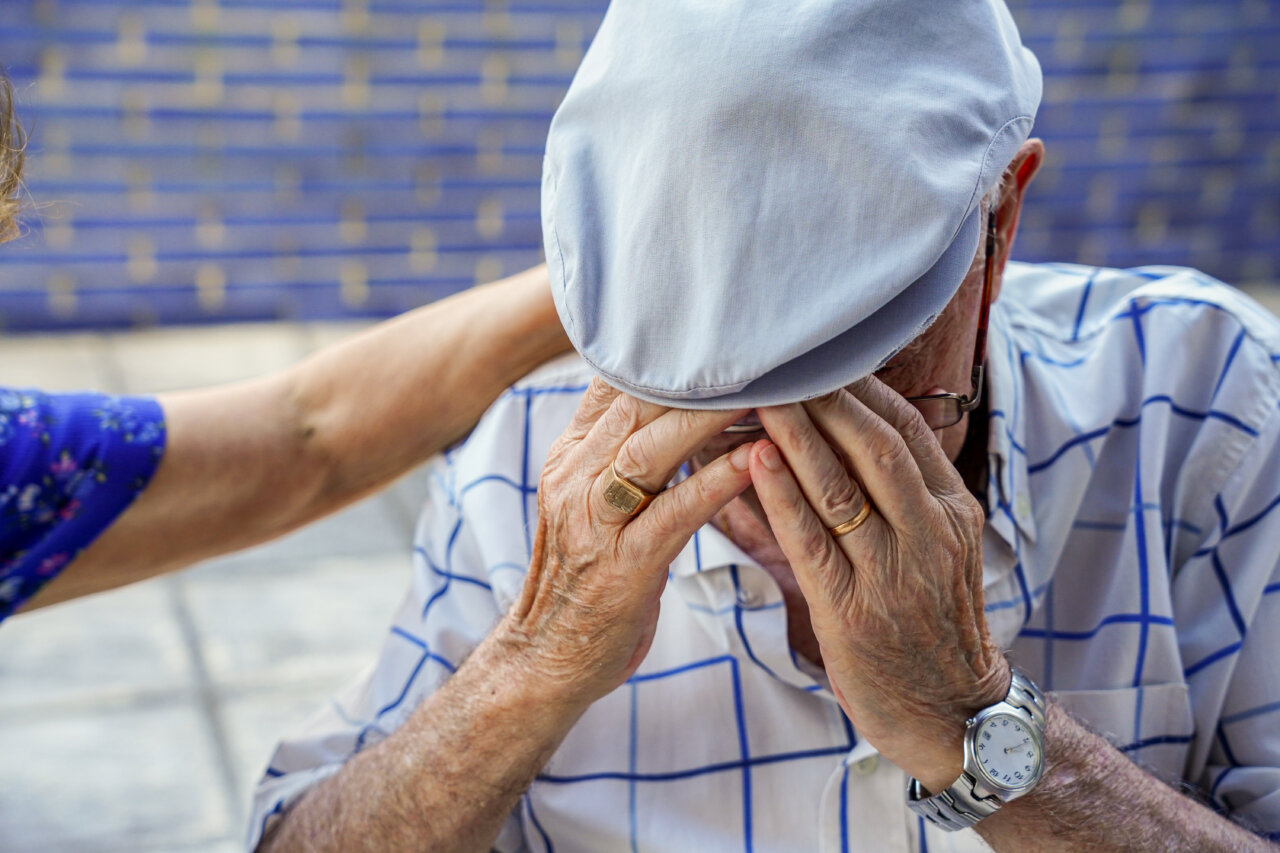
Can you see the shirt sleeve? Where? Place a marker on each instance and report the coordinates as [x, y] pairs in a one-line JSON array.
[[69, 465], [1229, 627]]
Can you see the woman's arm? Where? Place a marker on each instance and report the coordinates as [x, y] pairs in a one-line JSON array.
[[250, 461]]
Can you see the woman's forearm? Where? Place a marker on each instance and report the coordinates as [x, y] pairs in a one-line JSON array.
[[247, 462], [377, 404]]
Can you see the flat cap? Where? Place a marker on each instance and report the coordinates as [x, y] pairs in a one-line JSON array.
[[755, 202]]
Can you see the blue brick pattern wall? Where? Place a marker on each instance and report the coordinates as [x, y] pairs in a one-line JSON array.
[[214, 160]]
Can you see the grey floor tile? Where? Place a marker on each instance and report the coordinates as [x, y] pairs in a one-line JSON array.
[[281, 625], [409, 492], [225, 846], [115, 739], [114, 780], [256, 720], [177, 358], [102, 650], [57, 363]]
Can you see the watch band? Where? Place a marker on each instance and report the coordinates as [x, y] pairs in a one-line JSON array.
[[958, 807], [961, 805]]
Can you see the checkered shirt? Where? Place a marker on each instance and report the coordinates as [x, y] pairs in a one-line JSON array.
[[1130, 569]]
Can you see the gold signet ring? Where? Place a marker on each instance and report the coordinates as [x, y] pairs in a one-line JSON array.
[[853, 523], [620, 493]]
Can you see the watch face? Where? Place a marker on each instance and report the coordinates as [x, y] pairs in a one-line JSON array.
[[1007, 750]]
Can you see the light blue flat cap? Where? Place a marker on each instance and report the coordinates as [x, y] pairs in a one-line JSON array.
[[752, 203]]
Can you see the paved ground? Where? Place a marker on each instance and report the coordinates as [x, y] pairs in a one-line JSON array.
[[138, 720]]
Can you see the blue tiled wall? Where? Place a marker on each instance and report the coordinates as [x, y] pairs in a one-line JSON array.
[[210, 160]]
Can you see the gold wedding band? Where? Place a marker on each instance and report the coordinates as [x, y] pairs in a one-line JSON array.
[[622, 494], [853, 523]]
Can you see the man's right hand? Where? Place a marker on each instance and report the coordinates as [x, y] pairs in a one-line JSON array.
[[589, 606], [448, 778]]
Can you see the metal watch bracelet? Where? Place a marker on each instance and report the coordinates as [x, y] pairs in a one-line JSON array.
[[969, 800]]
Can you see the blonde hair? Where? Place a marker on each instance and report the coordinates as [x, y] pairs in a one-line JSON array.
[[13, 149]]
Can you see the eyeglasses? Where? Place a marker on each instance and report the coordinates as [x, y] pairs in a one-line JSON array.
[[943, 410]]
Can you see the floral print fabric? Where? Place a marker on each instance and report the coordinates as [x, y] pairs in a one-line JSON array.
[[69, 465]]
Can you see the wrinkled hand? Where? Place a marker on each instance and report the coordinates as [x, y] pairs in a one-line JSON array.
[[589, 607], [896, 604]]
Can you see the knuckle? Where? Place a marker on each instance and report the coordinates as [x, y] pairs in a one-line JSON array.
[[670, 517], [839, 494], [553, 481], [830, 402], [803, 438], [663, 519], [705, 490], [596, 398], [816, 546], [890, 454], [691, 420], [599, 390], [910, 422], [969, 512], [557, 456], [864, 385], [636, 456], [622, 417]]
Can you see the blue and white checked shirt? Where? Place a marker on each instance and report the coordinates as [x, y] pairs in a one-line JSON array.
[[1131, 568]]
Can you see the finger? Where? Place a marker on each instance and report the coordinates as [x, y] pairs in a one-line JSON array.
[[820, 565], [662, 530], [595, 402], [625, 415], [817, 468], [877, 454], [938, 471], [650, 455]]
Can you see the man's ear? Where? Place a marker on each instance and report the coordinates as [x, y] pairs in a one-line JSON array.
[[1017, 178]]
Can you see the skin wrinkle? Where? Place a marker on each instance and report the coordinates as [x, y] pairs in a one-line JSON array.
[[958, 669], [913, 371], [906, 682]]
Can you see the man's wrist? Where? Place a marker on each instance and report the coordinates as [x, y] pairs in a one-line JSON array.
[[512, 666], [938, 760], [941, 767], [1003, 759]]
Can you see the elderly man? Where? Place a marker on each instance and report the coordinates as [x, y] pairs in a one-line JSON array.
[[778, 230]]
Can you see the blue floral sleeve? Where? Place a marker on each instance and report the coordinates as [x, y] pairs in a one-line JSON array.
[[69, 465]]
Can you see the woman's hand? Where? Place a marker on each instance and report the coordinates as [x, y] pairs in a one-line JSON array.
[[896, 603], [589, 606]]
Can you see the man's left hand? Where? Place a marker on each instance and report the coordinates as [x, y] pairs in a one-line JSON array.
[[896, 603]]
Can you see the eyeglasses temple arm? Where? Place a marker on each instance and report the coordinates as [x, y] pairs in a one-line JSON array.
[[988, 274]]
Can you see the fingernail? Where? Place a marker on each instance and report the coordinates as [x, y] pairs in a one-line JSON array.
[[770, 457], [740, 458]]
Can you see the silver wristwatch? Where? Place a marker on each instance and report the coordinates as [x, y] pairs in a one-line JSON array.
[[1003, 759]]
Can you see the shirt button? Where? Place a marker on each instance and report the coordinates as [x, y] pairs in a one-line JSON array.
[[866, 766], [748, 597]]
